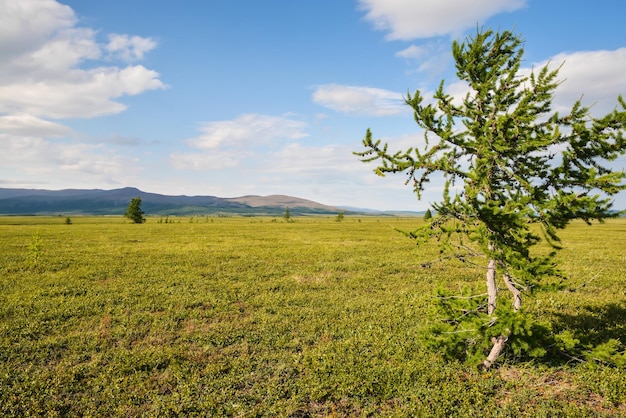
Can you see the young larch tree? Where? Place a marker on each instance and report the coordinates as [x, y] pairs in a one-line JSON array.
[[515, 173]]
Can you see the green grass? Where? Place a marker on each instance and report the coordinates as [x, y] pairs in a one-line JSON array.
[[261, 317]]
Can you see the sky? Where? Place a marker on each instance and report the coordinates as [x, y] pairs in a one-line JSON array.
[[248, 97]]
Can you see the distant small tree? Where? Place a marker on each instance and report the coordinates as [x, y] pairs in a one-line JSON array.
[[287, 215], [340, 216], [68, 221], [515, 173], [134, 212], [428, 215]]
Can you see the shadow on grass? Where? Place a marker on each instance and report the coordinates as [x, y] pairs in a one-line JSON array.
[[597, 324], [593, 326]]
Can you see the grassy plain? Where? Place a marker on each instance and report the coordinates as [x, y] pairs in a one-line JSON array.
[[262, 317]]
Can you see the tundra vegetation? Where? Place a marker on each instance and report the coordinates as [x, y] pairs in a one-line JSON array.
[[515, 174], [263, 317]]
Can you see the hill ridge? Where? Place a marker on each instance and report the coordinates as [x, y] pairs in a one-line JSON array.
[[115, 201]]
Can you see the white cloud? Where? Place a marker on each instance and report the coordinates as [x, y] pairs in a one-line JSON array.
[[81, 94], [43, 51], [27, 159], [224, 144], [29, 125], [411, 19], [326, 160], [27, 24], [413, 52], [129, 48], [249, 129], [52, 58], [595, 76], [50, 70], [357, 100]]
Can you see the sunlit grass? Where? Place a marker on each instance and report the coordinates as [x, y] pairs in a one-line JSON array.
[[262, 317]]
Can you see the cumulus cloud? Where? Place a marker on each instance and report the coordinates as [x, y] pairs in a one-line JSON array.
[[52, 68], [411, 19], [29, 125], [225, 143], [43, 51], [360, 101], [28, 24], [29, 158], [81, 94], [129, 48], [595, 76]]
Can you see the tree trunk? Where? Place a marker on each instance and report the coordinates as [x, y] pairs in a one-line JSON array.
[[492, 297], [500, 342], [517, 294], [492, 287], [498, 346]]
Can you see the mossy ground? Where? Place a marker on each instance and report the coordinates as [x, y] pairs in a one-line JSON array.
[[262, 317]]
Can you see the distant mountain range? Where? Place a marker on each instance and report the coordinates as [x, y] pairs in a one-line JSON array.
[[115, 202]]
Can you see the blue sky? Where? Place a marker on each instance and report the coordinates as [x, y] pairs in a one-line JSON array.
[[230, 98]]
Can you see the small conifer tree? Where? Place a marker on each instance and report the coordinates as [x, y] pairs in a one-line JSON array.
[[515, 173], [428, 215], [134, 212]]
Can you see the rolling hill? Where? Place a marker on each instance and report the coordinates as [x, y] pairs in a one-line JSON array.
[[115, 202]]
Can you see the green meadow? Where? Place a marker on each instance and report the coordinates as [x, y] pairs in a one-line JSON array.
[[247, 317]]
